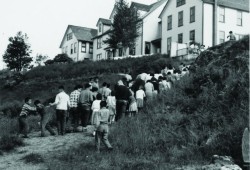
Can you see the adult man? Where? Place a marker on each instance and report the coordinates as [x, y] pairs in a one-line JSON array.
[[85, 101], [122, 94], [62, 104], [74, 111]]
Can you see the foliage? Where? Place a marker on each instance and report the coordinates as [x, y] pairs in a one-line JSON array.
[[62, 58], [40, 59], [33, 158], [124, 28], [17, 55]]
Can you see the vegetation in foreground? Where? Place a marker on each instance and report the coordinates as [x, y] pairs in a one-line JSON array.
[[204, 114]]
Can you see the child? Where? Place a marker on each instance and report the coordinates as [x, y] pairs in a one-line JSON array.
[[95, 108], [26, 110], [45, 118], [140, 95], [132, 106], [102, 129], [111, 103]]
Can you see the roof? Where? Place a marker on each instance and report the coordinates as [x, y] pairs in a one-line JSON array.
[[235, 4], [140, 6], [104, 21], [98, 36], [81, 33], [154, 6]]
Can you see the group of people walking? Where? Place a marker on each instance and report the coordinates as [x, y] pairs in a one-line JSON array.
[[99, 106]]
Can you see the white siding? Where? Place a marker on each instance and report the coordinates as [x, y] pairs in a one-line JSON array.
[[231, 23], [187, 26], [208, 25]]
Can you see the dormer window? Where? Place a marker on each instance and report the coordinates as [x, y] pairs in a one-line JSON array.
[[180, 2], [100, 27]]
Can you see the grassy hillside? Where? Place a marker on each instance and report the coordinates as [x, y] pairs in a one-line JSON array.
[[42, 82], [204, 113]]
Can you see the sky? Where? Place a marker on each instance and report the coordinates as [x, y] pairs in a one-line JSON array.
[[45, 21]]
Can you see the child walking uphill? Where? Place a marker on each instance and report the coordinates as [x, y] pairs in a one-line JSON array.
[[140, 95], [102, 128], [95, 108], [45, 118], [111, 103], [26, 110], [133, 110]]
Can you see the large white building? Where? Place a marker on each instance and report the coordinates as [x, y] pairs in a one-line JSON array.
[[206, 22], [77, 42]]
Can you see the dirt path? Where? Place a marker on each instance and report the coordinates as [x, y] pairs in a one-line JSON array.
[[45, 147]]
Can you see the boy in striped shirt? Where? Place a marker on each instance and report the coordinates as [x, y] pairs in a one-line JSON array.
[[26, 110]]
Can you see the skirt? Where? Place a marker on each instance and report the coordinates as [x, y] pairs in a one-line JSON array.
[[139, 103], [133, 107]]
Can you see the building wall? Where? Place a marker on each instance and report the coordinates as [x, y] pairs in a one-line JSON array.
[[208, 25], [67, 44], [101, 50], [151, 30], [187, 26], [84, 55], [231, 23]]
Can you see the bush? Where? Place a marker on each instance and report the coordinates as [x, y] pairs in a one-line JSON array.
[[10, 142]]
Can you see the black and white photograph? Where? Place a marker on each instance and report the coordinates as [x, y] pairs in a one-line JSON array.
[[124, 85]]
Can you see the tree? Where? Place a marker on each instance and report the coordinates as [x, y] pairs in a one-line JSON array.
[[17, 55], [62, 58], [40, 59], [124, 28]]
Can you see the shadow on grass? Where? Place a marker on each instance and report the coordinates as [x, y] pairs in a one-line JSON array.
[[10, 142], [33, 158]]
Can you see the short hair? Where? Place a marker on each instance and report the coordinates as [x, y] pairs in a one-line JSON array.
[[99, 96], [26, 99], [124, 79], [87, 85], [108, 85], [94, 89], [103, 104], [104, 84], [112, 93], [61, 87], [78, 86], [230, 32], [152, 74], [37, 102]]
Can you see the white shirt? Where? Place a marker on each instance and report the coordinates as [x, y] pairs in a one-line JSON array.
[[140, 94], [62, 101], [111, 101], [96, 105]]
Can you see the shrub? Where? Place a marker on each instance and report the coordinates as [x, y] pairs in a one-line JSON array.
[[10, 142], [33, 158]]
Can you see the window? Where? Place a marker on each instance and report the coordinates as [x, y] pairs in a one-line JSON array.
[[75, 47], [192, 14], [169, 22], [147, 47], [99, 43], [222, 36], [222, 14], [180, 19], [192, 35], [180, 2], [90, 48], [83, 47], [169, 40], [71, 49], [180, 37], [100, 27], [69, 36], [239, 18], [99, 56]]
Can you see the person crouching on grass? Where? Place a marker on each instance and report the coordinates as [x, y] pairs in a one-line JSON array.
[[45, 119], [102, 128], [26, 110]]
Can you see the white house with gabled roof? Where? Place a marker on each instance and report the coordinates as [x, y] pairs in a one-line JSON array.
[[206, 22], [77, 42]]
